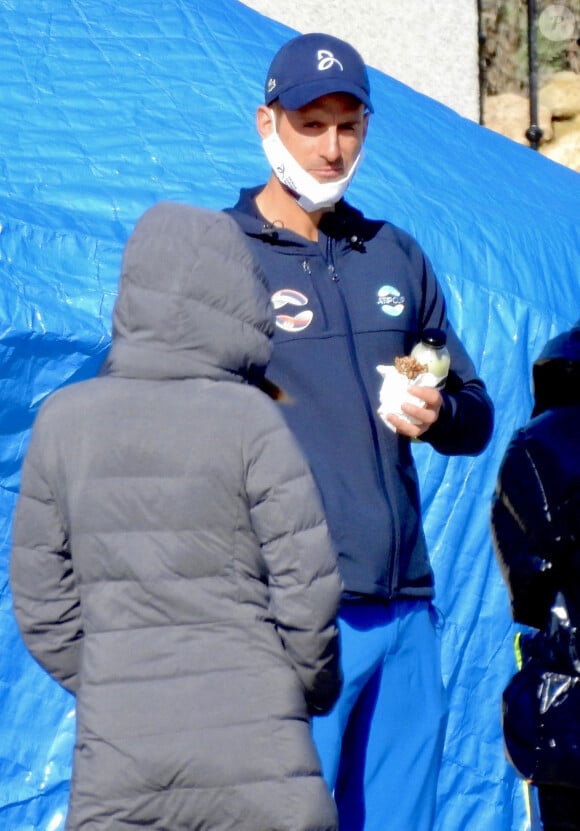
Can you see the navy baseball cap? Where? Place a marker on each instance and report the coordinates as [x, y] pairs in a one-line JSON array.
[[312, 65]]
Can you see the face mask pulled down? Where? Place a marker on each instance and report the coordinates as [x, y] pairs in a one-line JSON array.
[[311, 195]]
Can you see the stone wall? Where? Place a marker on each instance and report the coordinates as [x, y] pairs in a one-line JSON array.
[[559, 117], [504, 25], [506, 106]]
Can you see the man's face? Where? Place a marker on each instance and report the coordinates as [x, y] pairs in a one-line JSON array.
[[326, 135]]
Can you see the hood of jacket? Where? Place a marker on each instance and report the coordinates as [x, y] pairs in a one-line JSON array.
[[192, 302], [556, 372], [565, 347]]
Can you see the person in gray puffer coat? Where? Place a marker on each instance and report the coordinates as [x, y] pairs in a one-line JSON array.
[[171, 564]]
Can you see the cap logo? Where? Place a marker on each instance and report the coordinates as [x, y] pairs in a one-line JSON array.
[[271, 84], [326, 60]]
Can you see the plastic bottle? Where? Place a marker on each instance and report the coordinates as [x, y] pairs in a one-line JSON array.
[[432, 351]]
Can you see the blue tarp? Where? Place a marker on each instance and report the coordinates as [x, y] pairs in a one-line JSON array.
[[108, 106]]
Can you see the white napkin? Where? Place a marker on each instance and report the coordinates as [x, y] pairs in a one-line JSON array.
[[395, 390]]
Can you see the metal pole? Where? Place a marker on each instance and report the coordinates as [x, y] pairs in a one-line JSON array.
[[481, 41], [533, 133]]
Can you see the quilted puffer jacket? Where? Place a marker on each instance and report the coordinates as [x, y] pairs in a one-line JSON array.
[[535, 522], [171, 565], [535, 516]]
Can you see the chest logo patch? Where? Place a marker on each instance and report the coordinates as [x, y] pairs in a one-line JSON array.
[[391, 301], [288, 322]]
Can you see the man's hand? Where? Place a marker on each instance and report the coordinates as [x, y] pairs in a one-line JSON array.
[[426, 416]]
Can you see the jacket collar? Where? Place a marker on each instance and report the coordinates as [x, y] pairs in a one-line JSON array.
[[345, 223]]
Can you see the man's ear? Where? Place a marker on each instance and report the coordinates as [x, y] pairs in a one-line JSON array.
[[366, 125], [265, 121]]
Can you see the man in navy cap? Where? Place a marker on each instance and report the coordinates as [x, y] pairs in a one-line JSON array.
[[351, 293]]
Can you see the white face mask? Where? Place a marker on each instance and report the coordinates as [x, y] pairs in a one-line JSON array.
[[312, 195]]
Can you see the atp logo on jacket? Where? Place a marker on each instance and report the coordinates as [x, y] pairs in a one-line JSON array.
[[391, 301]]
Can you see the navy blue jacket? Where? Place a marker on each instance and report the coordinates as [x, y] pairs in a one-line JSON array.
[[357, 298]]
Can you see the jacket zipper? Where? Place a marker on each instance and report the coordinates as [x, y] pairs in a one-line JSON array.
[[330, 265], [306, 267]]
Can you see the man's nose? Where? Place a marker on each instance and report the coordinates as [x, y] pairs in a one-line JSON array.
[[331, 148]]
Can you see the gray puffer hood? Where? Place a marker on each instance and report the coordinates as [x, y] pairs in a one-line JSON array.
[[192, 300]]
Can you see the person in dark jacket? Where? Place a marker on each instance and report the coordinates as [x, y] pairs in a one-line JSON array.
[[536, 533], [171, 564], [353, 293]]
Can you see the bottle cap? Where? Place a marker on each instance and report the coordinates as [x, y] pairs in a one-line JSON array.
[[434, 337]]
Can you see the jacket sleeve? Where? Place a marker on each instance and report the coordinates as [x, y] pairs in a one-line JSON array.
[[518, 516], [466, 419], [45, 597], [301, 562]]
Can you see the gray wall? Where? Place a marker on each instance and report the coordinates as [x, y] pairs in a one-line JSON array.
[[430, 45]]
